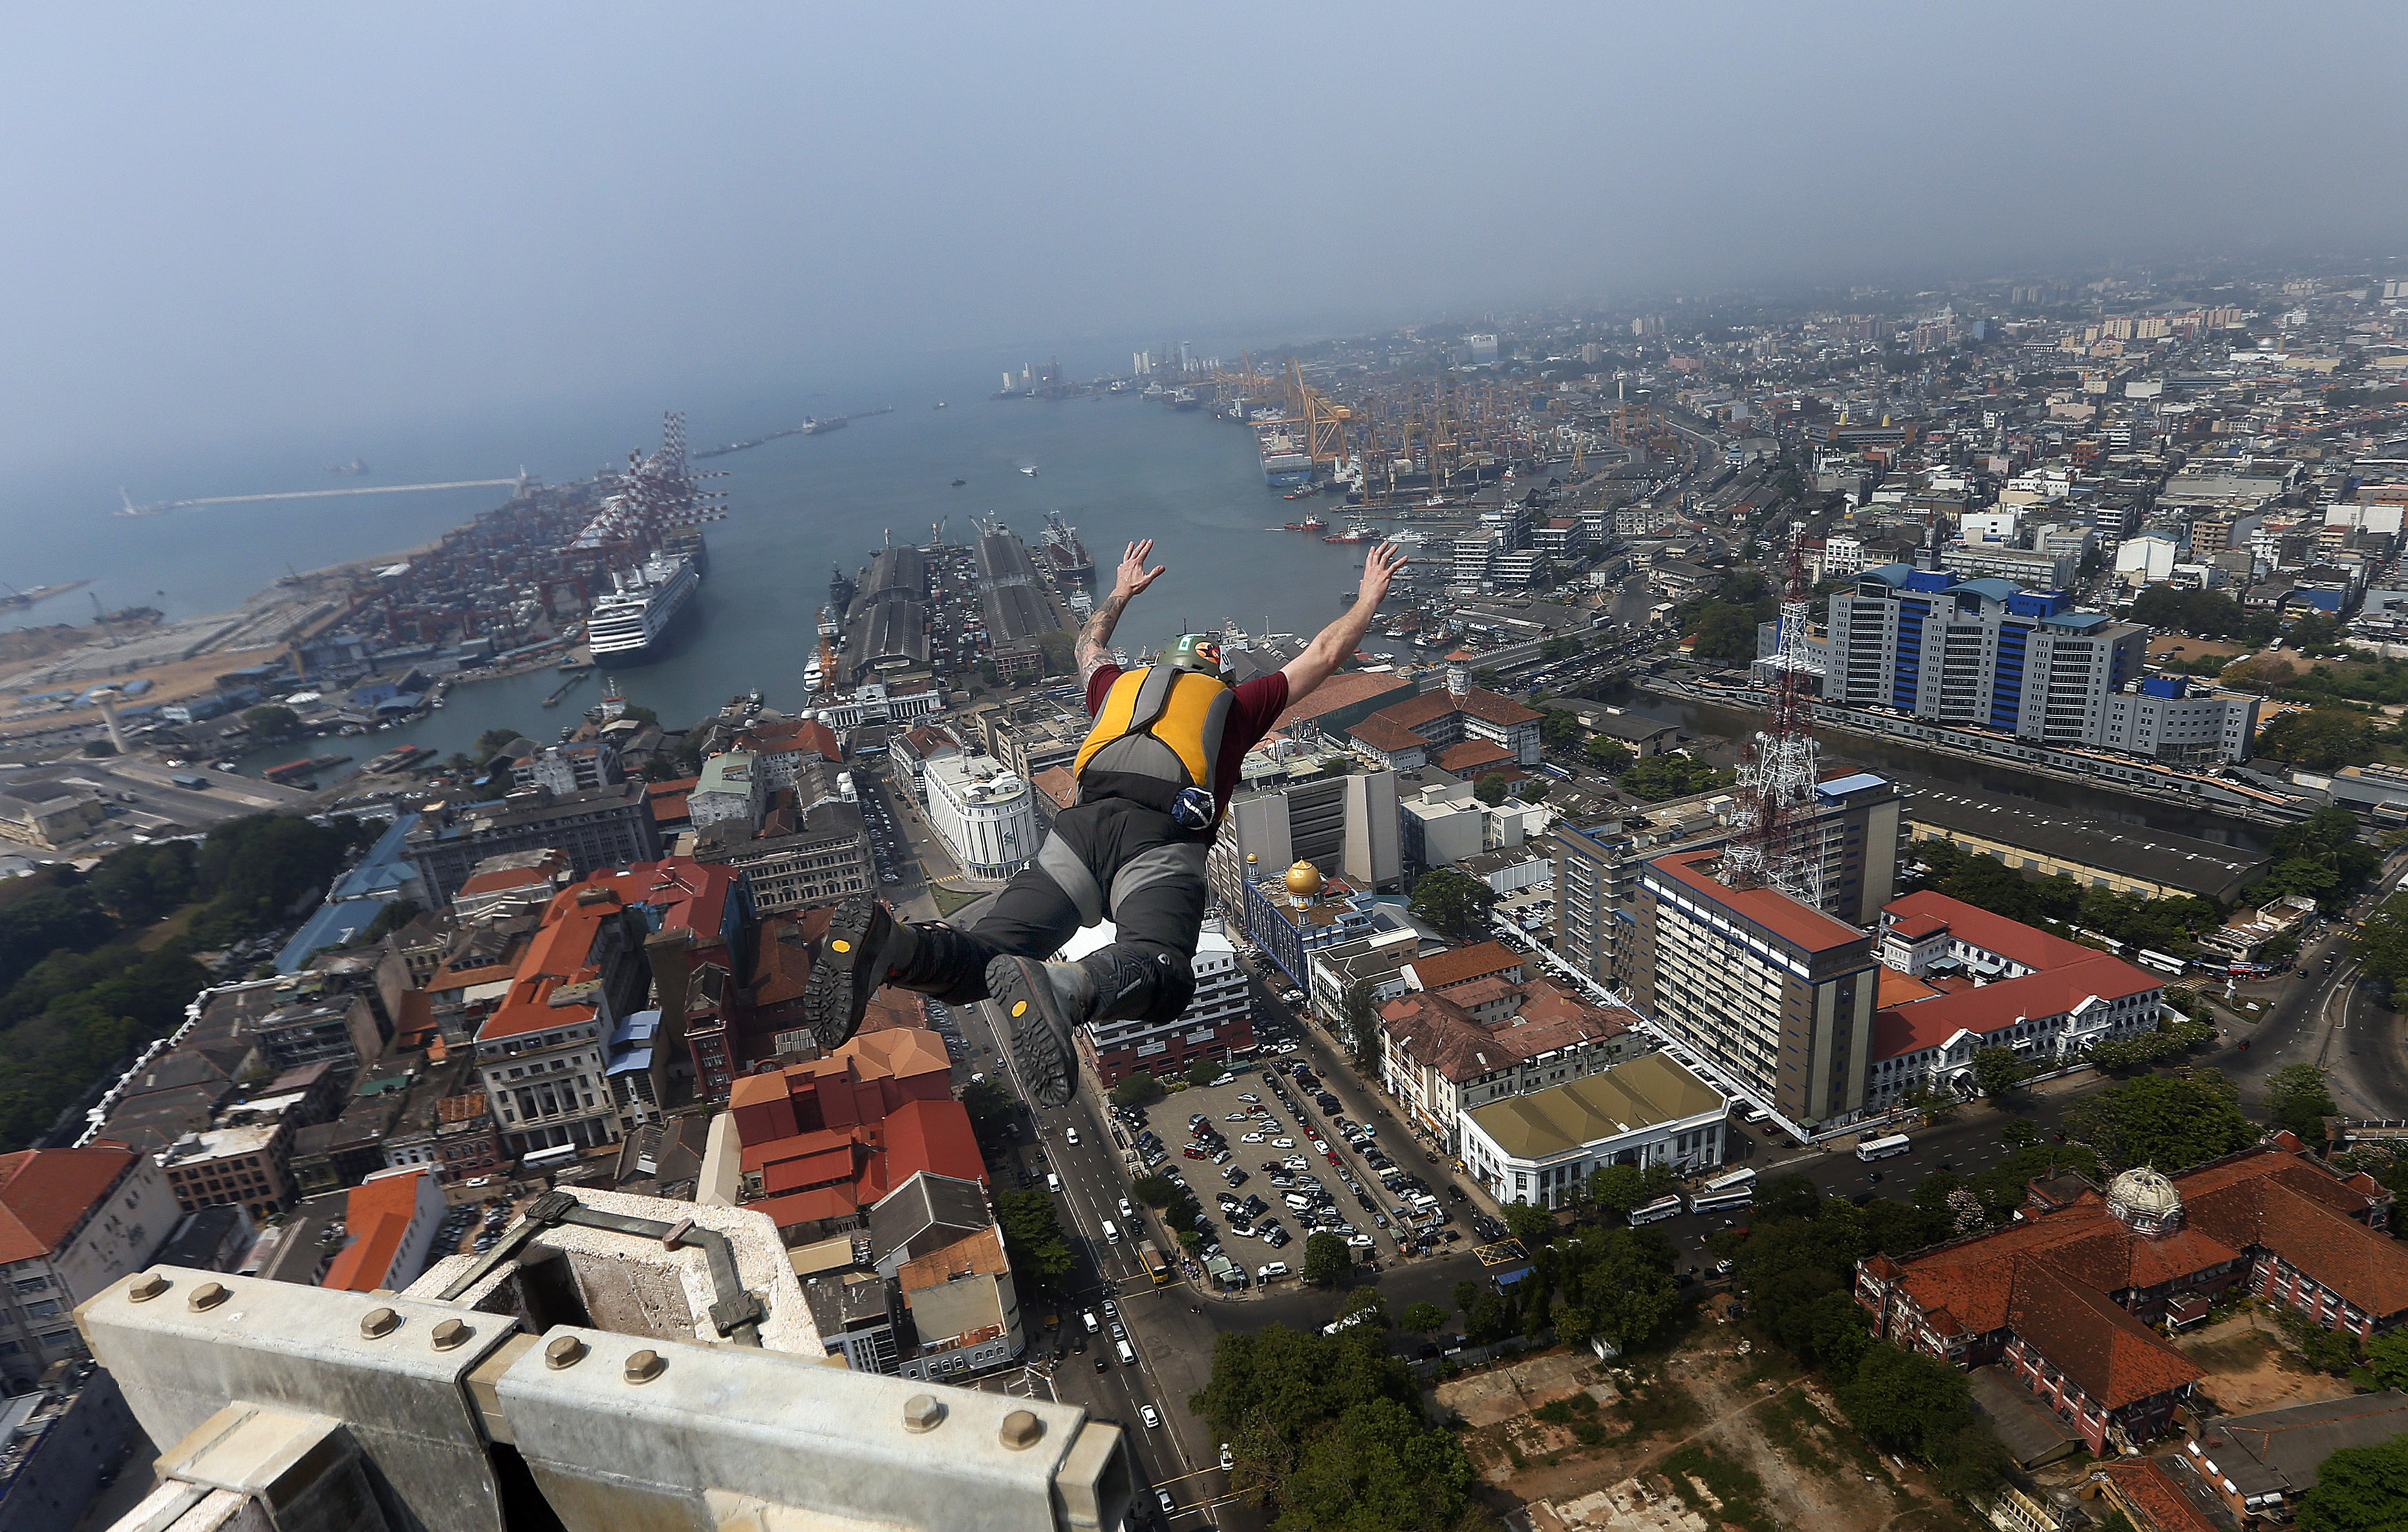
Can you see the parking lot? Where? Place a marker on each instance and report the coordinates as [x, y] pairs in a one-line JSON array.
[[1271, 1161]]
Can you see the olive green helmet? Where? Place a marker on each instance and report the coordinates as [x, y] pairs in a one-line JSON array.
[[1197, 651]]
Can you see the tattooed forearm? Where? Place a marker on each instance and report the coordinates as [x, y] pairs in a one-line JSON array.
[[1094, 649]]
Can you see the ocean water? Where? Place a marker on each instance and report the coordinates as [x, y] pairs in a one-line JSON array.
[[1117, 467]]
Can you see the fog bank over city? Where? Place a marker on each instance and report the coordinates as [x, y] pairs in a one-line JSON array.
[[220, 230]]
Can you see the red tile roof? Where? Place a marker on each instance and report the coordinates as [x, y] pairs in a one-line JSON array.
[[378, 1215], [1776, 912], [1927, 1023], [1385, 735], [2011, 939], [561, 952], [805, 735], [1472, 755], [2112, 1357], [1460, 965], [1428, 708], [935, 1136], [981, 1253], [45, 1193], [2150, 1490], [1340, 691]]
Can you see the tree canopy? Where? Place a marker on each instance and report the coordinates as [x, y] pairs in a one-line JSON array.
[[2167, 1122], [2358, 1489], [1329, 1435], [1326, 1260], [1607, 754], [1033, 1240], [1137, 1090], [1454, 902], [1678, 775]]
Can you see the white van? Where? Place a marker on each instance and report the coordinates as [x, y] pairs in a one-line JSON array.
[[1128, 1357], [1090, 1317], [1111, 1232], [1053, 1183]]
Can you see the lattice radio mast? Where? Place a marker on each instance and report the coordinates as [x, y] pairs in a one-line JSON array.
[[1777, 837]]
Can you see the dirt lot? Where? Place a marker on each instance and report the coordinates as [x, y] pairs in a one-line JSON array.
[[1709, 1437], [2249, 1370]]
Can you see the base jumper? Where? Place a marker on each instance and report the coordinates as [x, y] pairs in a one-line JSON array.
[[1154, 775]]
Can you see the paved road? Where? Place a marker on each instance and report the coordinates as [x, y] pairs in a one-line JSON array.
[[2328, 1014]]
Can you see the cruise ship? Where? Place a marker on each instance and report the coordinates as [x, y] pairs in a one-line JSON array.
[[629, 622]]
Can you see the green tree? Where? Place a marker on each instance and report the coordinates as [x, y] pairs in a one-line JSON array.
[[1137, 1090], [1326, 1261], [1358, 1022], [2001, 1071], [2020, 1133], [1455, 903], [1616, 1285], [1330, 1433], [2381, 947], [1204, 1071], [1678, 775], [272, 721], [1529, 1224], [2386, 1358], [1491, 788], [1560, 728], [1425, 1318], [1155, 1191], [98, 749], [2320, 739], [2296, 1098], [1610, 756], [492, 743], [2166, 1122], [990, 1108], [2328, 838], [1909, 1402], [2358, 1489], [1033, 1240]]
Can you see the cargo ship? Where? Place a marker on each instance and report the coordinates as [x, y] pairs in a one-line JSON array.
[[1288, 459], [1065, 555], [628, 624]]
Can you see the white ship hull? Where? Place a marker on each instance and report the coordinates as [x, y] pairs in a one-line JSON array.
[[629, 623]]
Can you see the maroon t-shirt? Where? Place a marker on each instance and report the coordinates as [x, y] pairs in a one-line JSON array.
[[1251, 712]]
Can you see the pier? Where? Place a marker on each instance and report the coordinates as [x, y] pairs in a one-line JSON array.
[[160, 507]]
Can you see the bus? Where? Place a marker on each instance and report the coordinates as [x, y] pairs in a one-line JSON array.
[[1736, 1190], [1156, 1266], [1668, 1205], [1882, 1147], [2165, 963]]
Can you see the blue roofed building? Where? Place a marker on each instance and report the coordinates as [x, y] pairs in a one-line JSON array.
[[1987, 654], [382, 877]]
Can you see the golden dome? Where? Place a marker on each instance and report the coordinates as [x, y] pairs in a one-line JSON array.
[[1304, 879]]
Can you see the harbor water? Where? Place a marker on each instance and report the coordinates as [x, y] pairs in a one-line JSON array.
[[1118, 467]]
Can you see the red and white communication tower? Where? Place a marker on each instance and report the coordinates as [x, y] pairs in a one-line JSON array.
[[1776, 836]]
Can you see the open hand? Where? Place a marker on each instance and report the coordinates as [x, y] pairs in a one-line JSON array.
[[1380, 566], [1132, 576]]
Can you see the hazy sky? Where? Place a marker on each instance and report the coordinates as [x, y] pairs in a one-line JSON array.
[[217, 217]]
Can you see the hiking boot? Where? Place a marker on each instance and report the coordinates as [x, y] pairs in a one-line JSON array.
[[862, 945], [1042, 1001]]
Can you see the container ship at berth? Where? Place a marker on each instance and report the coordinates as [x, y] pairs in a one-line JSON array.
[[1287, 461], [628, 623], [1065, 555]]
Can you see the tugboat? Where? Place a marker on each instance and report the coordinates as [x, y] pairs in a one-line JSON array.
[[959, 482], [1311, 523], [1355, 532]]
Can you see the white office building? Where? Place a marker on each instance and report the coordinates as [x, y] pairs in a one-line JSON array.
[[986, 815]]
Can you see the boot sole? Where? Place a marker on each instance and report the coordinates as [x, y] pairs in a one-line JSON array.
[[1021, 991], [848, 971]]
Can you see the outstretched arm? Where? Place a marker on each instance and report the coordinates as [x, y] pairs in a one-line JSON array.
[[1094, 646], [1335, 644]]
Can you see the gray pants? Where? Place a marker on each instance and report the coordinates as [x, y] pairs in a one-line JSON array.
[[1112, 858]]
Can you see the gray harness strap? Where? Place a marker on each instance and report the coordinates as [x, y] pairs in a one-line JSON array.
[[1072, 877], [1181, 860]]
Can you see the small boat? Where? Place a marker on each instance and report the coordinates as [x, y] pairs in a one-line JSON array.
[[1030, 470], [1355, 532], [959, 482], [1311, 523], [1305, 493], [941, 404]]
